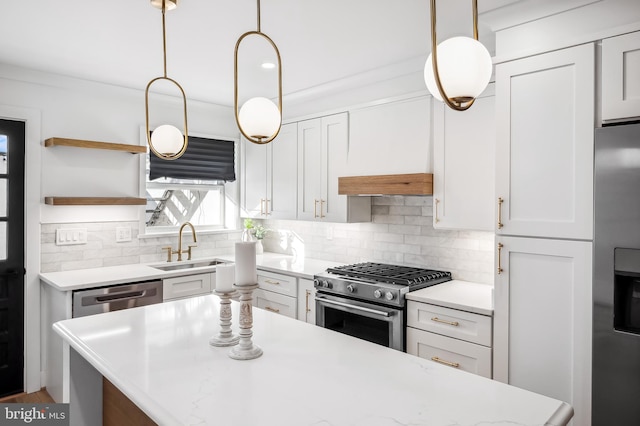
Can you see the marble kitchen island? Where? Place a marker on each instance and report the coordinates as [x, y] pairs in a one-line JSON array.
[[159, 357]]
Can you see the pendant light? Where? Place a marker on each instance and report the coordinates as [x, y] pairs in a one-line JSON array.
[[459, 68], [259, 119], [166, 141]]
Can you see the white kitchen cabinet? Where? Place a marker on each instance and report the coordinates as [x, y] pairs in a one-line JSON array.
[[269, 176], [544, 144], [620, 82], [274, 302], [323, 145], [306, 301], [187, 286], [464, 165], [451, 337], [542, 319], [390, 138]]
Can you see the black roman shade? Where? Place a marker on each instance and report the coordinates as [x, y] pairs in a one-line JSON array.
[[204, 159]]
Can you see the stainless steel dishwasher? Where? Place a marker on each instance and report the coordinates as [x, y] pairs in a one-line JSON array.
[[116, 297]]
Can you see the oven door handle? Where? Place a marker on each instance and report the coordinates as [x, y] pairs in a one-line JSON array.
[[354, 307]]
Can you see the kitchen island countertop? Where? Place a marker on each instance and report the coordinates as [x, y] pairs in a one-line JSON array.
[[160, 358]]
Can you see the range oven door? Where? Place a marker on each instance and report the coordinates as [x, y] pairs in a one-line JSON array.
[[377, 324]]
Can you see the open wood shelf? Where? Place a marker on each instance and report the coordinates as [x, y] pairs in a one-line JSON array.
[[78, 143], [95, 201], [404, 184]]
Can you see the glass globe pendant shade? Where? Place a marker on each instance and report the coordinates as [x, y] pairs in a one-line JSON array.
[[464, 67], [167, 140], [259, 118]]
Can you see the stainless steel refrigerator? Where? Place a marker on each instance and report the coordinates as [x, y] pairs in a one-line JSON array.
[[616, 277]]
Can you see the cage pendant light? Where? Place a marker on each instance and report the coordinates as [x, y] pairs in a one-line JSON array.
[[259, 119], [458, 69], [166, 141]]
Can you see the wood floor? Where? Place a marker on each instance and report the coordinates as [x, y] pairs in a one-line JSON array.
[[40, 397]]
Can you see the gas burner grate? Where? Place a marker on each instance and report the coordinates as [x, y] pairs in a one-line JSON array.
[[393, 274]]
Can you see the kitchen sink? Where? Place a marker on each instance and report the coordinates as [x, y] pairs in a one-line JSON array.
[[189, 265]]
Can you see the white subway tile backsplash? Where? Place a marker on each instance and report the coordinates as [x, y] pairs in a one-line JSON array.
[[400, 232]]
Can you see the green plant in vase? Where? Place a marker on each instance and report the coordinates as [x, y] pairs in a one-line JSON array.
[[260, 233], [247, 235]]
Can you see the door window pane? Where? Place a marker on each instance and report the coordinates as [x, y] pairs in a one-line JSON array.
[[3, 154], [3, 197], [3, 240]]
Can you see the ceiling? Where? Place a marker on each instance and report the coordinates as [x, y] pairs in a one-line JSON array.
[[120, 41]]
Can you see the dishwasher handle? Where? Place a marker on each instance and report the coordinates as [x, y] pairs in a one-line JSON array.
[[120, 296]]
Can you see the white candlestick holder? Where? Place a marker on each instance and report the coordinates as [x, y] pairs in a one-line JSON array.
[[225, 337], [245, 349]]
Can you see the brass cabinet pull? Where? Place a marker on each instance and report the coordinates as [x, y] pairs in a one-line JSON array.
[[321, 209], [272, 282], [453, 323], [437, 202], [307, 301], [442, 361], [261, 207], [277, 311], [315, 208], [266, 207], [500, 201], [500, 270]]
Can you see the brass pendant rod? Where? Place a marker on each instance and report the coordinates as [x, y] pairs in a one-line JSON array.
[[164, 40], [451, 103], [258, 16]]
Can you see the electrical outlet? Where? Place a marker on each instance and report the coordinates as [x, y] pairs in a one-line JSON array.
[[71, 236], [123, 234]]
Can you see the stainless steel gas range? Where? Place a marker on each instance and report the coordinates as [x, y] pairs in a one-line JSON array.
[[367, 300]]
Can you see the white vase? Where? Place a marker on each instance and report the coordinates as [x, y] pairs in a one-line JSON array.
[[259, 247]]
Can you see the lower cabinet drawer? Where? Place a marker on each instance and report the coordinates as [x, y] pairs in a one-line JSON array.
[[275, 302], [455, 353], [461, 325], [191, 285], [278, 283]]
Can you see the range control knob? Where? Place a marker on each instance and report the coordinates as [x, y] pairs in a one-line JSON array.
[[351, 288], [389, 296], [316, 283], [377, 294], [327, 284]]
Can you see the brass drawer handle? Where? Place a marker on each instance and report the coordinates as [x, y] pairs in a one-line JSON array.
[[453, 323], [261, 206], [307, 301], [315, 209], [442, 361], [436, 218], [277, 311], [272, 282], [266, 207], [500, 201], [500, 270], [321, 208]]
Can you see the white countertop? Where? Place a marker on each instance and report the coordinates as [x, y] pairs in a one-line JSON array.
[[160, 358], [456, 294], [110, 275]]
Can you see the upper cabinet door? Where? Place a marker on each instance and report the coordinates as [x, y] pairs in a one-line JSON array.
[[254, 176], [335, 144], [282, 171], [544, 145], [620, 81], [309, 168], [464, 164]]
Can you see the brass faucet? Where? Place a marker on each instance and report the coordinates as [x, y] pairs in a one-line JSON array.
[[195, 240], [179, 252]]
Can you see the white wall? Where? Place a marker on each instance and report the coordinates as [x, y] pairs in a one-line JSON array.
[[65, 107]]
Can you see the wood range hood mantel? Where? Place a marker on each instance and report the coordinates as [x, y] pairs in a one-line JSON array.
[[403, 184]]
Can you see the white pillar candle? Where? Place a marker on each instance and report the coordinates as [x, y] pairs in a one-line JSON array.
[[246, 273], [225, 276]]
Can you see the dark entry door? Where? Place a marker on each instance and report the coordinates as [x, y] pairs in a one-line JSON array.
[[12, 149]]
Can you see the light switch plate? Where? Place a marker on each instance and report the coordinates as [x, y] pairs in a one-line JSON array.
[[71, 236], [123, 234]]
